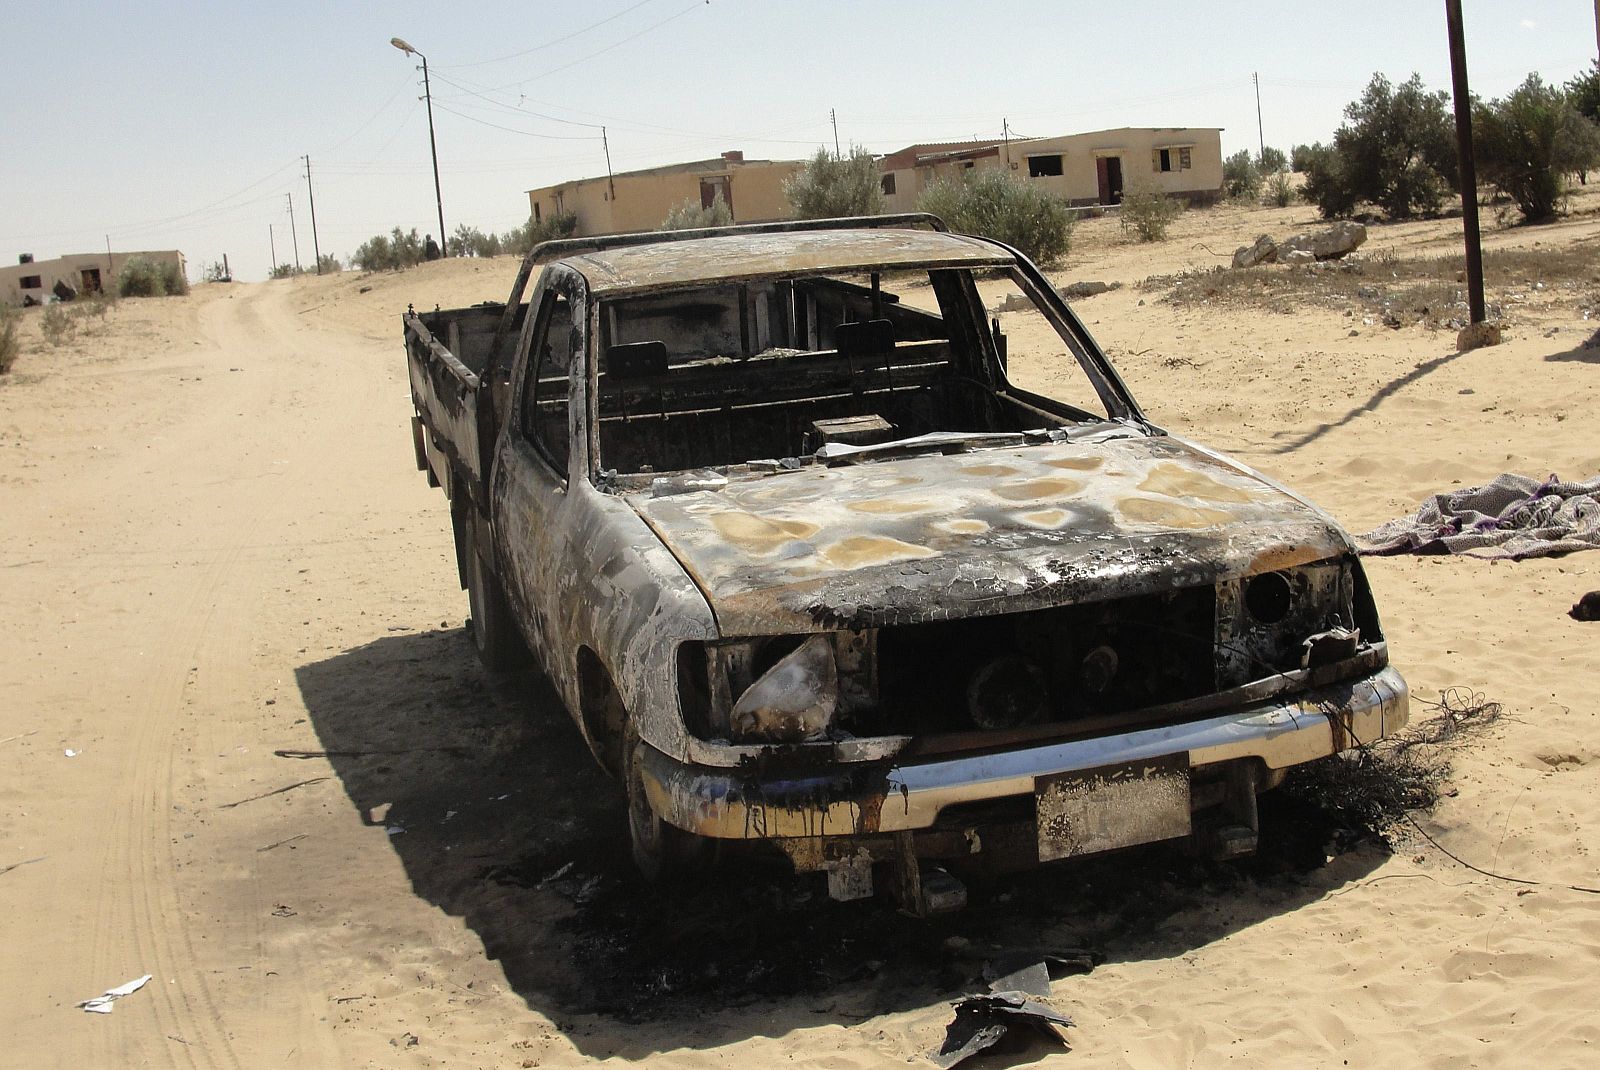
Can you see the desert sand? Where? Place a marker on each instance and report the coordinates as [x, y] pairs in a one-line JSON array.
[[218, 554]]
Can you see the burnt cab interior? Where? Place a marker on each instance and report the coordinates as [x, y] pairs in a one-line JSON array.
[[725, 374]]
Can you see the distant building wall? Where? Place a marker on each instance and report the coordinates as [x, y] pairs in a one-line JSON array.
[[1181, 161], [753, 190], [84, 272]]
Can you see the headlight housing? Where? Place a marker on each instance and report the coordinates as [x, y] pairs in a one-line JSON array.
[[792, 702]]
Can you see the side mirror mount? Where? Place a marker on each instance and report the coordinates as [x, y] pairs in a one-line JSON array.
[[999, 341]]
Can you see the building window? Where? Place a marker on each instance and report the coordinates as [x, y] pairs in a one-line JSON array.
[[32, 282], [1044, 166], [536, 211], [1170, 160], [887, 184]]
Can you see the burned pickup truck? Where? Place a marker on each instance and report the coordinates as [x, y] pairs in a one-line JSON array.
[[809, 567]]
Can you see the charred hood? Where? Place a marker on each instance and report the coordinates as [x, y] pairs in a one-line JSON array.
[[981, 533]]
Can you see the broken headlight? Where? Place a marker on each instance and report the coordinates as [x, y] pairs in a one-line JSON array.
[[792, 702]]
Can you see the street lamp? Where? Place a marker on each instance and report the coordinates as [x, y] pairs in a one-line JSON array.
[[427, 92]]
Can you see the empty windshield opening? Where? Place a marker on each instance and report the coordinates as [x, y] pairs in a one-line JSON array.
[[723, 375]]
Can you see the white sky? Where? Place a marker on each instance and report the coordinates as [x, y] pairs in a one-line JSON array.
[[180, 125]]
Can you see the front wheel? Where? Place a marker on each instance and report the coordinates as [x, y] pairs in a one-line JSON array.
[[662, 852]]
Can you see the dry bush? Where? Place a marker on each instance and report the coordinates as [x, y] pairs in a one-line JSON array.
[[9, 346], [1375, 786], [1397, 291], [1147, 211], [57, 325]]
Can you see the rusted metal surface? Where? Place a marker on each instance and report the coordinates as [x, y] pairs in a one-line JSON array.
[[978, 534], [733, 258], [1114, 806]]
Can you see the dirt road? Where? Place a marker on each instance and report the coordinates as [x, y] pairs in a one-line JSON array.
[[245, 748]]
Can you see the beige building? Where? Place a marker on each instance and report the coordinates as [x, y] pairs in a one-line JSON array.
[[1085, 169], [640, 200], [35, 281]]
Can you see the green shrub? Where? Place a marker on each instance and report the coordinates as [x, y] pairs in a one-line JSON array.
[[1280, 191], [93, 307], [1529, 141], [141, 278], [1147, 211], [215, 272], [830, 188], [57, 325], [992, 204], [1396, 149], [9, 347], [283, 271], [1241, 179], [1326, 185], [1271, 161], [1300, 157], [470, 241], [521, 240], [689, 215], [1584, 92], [173, 281]]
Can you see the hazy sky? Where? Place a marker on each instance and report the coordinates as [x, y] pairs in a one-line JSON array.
[[181, 124]]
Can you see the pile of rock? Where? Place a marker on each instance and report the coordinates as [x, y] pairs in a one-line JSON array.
[[1329, 244]]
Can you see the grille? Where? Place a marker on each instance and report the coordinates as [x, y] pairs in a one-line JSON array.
[[1046, 666]]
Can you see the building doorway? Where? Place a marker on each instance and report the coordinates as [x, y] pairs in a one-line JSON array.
[[1109, 170], [90, 281], [712, 188]]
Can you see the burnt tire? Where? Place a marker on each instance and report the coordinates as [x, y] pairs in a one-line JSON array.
[[662, 852], [494, 633]]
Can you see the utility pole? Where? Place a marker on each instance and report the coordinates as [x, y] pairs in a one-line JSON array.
[[833, 117], [1261, 138], [1469, 171], [433, 147], [611, 182], [109, 269], [294, 233], [316, 250], [272, 243], [1005, 134]]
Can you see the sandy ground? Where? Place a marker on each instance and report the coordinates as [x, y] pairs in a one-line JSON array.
[[217, 554]]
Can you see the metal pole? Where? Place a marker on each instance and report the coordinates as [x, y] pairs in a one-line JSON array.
[[611, 182], [1469, 171], [1005, 132], [833, 117], [272, 243], [316, 250], [438, 197], [109, 269], [1261, 138], [294, 233]]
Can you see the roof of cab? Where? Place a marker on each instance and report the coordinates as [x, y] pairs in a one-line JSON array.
[[734, 257]]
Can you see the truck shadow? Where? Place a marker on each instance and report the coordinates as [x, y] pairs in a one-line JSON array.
[[510, 826]]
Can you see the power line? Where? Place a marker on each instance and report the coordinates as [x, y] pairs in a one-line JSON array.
[[600, 52], [512, 130], [551, 44]]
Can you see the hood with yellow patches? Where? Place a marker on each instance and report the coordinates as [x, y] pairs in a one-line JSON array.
[[996, 531]]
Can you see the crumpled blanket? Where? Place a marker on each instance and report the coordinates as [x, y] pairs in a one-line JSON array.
[[1511, 518]]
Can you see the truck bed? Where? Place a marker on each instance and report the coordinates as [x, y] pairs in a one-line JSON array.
[[446, 355]]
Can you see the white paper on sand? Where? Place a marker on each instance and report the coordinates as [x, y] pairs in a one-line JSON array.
[[102, 1004]]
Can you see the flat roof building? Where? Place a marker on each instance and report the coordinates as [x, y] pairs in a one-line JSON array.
[[1088, 168], [32, 281], [640, 200]]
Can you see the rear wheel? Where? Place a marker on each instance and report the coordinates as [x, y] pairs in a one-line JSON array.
[[662, 852], [494, 633]]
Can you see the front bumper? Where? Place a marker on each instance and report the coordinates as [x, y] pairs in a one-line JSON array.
[[757, 802]]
